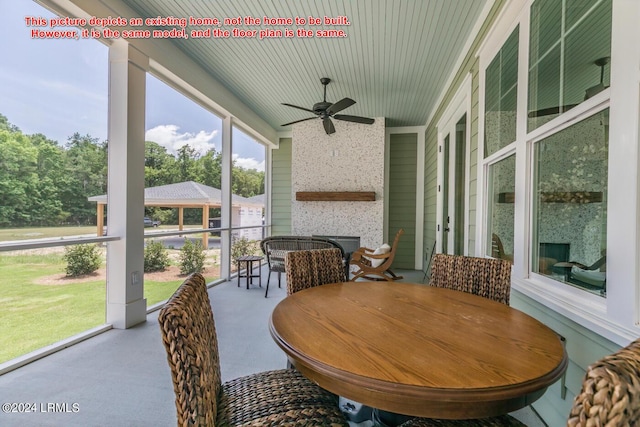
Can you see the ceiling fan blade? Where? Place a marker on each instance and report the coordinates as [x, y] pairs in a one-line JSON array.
[[340, 105], [299, 108], [298, 121], [328, 126], [355, 119]]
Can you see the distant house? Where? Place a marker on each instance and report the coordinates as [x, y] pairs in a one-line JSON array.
[[245, 212], [251, 213]]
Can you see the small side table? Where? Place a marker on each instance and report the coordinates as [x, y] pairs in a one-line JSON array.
[[248, 261]]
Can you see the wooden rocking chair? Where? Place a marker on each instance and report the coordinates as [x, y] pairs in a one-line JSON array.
[[375, 264]]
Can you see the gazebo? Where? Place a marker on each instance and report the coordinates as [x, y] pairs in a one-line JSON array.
[[190, 194]]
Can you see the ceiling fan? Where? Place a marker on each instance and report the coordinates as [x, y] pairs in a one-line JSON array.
[[327, 110]]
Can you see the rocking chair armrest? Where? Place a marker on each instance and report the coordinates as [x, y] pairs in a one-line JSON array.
[[379, 256], [364, 250], [356, 256]]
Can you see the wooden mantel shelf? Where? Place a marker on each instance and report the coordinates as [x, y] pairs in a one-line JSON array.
[[336, 196], [559, 197]]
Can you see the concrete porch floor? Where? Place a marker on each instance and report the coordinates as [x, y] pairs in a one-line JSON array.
[[121, 377]]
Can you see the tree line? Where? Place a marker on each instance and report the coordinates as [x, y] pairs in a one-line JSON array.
[[43, 183]]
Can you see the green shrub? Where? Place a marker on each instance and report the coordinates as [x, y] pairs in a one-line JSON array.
[[81, 259], [240, 247], [191, 257], [156, 257]]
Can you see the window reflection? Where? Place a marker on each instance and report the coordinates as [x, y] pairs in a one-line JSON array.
[[567, 60], [570, 206], [501, 97], [502, 178]]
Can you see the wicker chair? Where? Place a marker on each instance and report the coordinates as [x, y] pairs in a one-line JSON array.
[[273, 398], [306, 269], [487, 277], [276, 249], [610, 394]]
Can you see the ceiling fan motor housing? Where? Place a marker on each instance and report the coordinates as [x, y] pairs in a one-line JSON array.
[[321, 107]]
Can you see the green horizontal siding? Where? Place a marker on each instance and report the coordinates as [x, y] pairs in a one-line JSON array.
[[584, 347], [402, 196], [281, 188]]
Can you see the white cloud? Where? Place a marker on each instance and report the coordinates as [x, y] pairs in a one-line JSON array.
[[169, 137], [249, 163]]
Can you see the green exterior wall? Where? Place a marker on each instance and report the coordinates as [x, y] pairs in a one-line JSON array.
[[281, 189], [583, 347], [402, 196], [469, 66], [473, 163]]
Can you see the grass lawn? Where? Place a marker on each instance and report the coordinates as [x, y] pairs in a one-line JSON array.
[[37, 310], [43, 232], [34, 315]]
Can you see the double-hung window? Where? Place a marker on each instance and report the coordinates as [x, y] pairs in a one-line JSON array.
[[551, 165], [501, 94], [569, 58]]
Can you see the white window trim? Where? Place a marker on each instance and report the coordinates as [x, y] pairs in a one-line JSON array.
[[459, 105], [483, 232], [616, 317]]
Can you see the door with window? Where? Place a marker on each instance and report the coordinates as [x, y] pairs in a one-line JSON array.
[[453, 187]]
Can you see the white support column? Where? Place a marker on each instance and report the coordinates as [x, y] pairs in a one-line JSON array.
[[268, 188], [623, 200], [126, 305], [226, 208]]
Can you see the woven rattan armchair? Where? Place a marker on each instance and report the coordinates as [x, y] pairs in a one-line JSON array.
[[487, 277], [364, 268], [306, 269], [273, 398], [610, 394]]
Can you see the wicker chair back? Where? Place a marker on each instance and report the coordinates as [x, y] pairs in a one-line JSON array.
[[487, 277], [189, 336], [306, 269], [610, 394], [281, 397]]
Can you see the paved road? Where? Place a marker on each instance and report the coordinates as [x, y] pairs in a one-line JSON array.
[[177, 242]]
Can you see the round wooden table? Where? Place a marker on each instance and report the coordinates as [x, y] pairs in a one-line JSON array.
[[418, 350]]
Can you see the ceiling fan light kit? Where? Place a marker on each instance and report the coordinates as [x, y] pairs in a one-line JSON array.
[[326, 111], [594, 90]]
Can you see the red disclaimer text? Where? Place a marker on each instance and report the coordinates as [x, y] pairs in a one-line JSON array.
[[171, 27]]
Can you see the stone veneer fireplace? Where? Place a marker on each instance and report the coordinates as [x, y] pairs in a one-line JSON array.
[[350, 160]]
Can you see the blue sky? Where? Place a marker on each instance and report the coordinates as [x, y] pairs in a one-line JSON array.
[[58, 87]]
